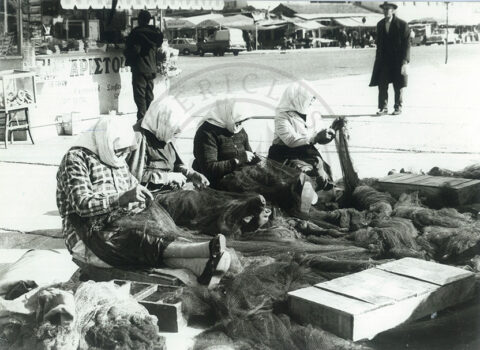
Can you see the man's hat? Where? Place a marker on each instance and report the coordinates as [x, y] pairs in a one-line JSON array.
[[389, 4]]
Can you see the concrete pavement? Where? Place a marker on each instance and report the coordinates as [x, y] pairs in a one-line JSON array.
[[439, 127]]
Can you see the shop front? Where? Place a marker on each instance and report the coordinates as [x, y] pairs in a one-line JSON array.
[[75, 49]]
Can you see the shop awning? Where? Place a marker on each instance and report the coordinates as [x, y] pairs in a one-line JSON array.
[[308, 25], [302, 24], [145, 4], [357, 22], [190, 22], [178, 23], [237, 21]]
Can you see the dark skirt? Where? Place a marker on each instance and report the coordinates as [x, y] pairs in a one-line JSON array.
[[123, 239], [306, 159]]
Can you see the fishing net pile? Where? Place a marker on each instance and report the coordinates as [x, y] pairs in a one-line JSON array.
[[81, 316], [250, 310], [109, 318], [469, 172]]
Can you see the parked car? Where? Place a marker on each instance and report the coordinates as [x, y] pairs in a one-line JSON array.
[[223, 40], [186, 46], [439, 36]]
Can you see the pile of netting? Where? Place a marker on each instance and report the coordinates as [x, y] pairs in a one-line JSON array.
[[469, 172], [108, 317], [81, 316], [250, 311]]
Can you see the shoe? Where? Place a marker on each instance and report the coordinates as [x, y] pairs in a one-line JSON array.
[[397, 111], [215, 269], [217, 245], [382, 111]]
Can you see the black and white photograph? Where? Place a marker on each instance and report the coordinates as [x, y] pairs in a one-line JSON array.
[[239, 175]]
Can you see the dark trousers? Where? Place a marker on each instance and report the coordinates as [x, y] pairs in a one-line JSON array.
[[142, 92], [383, 95], [389, 73]]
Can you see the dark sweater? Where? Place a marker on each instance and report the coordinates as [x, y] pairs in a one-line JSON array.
[[215, 150], [141, 48]]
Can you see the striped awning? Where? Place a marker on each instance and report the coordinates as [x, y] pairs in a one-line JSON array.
[[145, 4]]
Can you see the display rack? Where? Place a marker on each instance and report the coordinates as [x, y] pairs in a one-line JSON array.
[[17, 94]]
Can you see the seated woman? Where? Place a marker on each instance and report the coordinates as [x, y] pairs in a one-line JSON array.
[[103, 210], [294, 143], [155, 162], [222, 153], [221, 144]]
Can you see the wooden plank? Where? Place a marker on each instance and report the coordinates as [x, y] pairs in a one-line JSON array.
[[425, 271], [441, 182], [377, 287], [99, 274], [398, 189], [413, 179], [396, 177], [333, 300], [332, 312], [392, 177], [368, 325], [473, 183]]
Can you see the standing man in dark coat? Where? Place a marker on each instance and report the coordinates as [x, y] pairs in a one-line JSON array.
[[393, 55], [140, 53]]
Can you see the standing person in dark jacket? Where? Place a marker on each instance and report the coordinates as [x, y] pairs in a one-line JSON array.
[[221, 144], [392, 58], [140, 53]]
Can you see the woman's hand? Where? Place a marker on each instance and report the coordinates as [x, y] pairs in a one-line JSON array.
[[198, 180], [250, 156], [136, 194], [325, 136], [177, 179]]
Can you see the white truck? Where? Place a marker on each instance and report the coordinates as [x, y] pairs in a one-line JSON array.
[[223, 40]]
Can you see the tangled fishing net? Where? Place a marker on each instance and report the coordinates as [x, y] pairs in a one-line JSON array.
[[109, 318], [210, 211], [251, 310], [469, 172]]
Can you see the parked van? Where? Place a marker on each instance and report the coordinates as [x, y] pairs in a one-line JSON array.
[[223, 40]]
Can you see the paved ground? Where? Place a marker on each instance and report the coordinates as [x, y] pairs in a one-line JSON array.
[[438, 128]]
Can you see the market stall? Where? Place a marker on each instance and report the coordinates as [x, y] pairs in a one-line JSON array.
[[75, 49]]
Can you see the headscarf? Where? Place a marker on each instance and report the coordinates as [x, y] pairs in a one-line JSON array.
[[108, 135], [296, 98], [164, 118], [225, 114]]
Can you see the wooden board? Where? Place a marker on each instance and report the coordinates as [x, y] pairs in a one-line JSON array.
[[463, 190], [363, 304], [99, 274], [377, 287], [425, 271]]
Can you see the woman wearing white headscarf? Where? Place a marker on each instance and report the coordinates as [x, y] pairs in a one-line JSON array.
[[294, 141], [156, 162], [95, 191], [221, 144]]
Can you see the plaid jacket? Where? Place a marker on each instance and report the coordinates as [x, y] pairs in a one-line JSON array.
[[88, 187]]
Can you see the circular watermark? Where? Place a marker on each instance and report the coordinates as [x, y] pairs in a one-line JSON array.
[[257, 87]]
